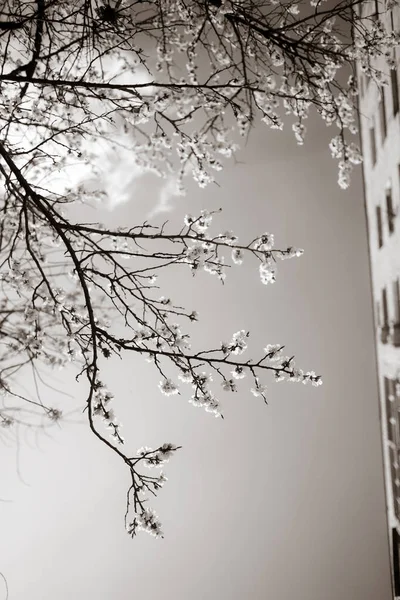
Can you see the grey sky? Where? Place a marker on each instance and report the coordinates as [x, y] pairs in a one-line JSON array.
[[278, 502]]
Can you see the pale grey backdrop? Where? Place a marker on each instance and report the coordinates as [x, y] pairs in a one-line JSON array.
[[276, 502]]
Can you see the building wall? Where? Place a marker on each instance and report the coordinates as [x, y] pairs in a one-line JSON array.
[[380, 126]]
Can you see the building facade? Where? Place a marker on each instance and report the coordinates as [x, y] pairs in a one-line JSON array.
[[380, 136]]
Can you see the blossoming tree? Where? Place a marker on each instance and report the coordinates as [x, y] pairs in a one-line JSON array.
[[183, 77]]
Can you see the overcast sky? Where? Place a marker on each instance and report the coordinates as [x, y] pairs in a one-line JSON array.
[[281, 501]]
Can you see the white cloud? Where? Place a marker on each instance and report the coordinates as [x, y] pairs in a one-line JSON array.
[[114, 172], [113, 169], [168, 191]]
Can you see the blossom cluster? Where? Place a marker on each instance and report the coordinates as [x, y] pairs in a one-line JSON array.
[[156, 458], [102, 398], [81, 293], [203, 252], [93, 310], [148, 521], [174, 114], [282, 367]]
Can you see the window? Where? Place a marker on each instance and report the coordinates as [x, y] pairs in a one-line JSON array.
[[385, 329], [382, 115], [385, 312], [389, 209], [379, 226], [396, 297], [395, 90], [396, 561], [373, 145], [395, 338]]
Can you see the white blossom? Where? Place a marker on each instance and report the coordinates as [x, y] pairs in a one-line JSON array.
[[273, 351], [267, 273], [239, 372], [238, 345], [237, 256], [259, 390], [228, 385], [168, 388], [148, 521]]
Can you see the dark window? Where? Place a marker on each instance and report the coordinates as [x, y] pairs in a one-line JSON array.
[[382, 115], [395, 338], [396, 296], [391, 21], [385, 311], [389, 210], [384, 328], [373, 144], [396, 562], [395, 90], [379, 226], [378, 314]]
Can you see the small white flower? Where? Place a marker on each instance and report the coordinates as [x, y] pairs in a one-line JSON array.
[[293, 9], [273, 351], [296, 375], [228, 237], [202, 380], [185, 376], [292, 252], [316, 380], [168, 388], [203, 222], [228, 385], [279, 376], [167, 449], [264, 243], [237, 256], [208, 401], [259, 390], [148, 521], [238, 372], [108, 415], [161, 479], [267, 273], [144, 450], [238, 344], [188, 220], [98, 409]]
